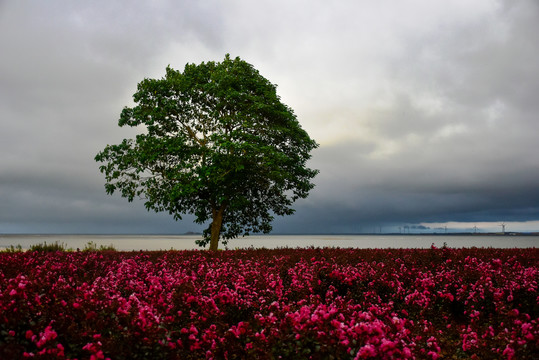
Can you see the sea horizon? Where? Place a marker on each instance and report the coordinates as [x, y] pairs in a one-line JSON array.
[[152, 242]]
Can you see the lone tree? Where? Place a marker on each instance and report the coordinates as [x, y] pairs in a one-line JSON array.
[[218, 144]]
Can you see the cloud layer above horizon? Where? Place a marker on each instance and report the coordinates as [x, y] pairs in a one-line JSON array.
[[425, 111]]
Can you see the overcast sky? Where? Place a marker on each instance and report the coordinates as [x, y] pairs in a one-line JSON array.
[[426, 111]]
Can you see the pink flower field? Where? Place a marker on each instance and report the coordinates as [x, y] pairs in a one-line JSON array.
[[271, 304]]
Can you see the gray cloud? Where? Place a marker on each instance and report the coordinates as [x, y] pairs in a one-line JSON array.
[[425, 111]]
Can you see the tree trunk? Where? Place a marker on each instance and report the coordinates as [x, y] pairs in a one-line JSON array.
[[216, 228]]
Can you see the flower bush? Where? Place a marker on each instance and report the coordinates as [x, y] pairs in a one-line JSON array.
[[269, 304]]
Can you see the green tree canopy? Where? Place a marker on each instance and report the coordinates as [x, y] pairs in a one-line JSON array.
[[218, 144]]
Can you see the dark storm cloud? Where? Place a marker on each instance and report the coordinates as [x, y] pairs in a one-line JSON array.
[[66, 72], [426, 111], [48, 203], [455, 142]]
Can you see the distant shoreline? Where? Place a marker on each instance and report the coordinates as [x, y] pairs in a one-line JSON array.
[[512, 233], [187, 242], [191, 233]]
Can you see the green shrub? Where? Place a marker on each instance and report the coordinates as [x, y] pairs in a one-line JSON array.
[[91, 246], [44, 247], [13, 249]]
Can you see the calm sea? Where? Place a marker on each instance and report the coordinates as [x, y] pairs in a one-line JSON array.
[[187, 242]]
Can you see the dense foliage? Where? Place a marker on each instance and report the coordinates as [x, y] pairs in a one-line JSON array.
[[219, 144], [268, 304]]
